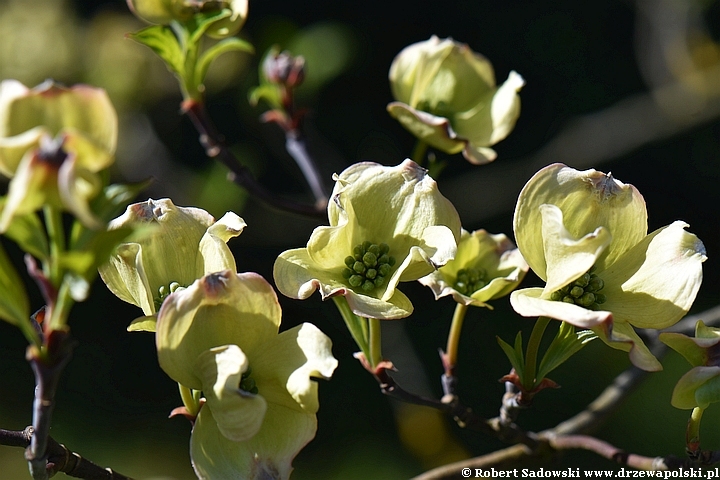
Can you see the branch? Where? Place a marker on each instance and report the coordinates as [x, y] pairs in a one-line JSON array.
[[214, 146], [60, 458], [569, 435]]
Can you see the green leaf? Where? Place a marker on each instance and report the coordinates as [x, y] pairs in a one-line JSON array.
[[109, 204], [28, 232], [515, 355], [14, 303], [227, 45], [566, 343], [268, 92], [200, 23], [161, 40]]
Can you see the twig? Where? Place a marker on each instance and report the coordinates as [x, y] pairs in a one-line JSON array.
[[570, 434], [47, 369], [60, 458], [214, 146]]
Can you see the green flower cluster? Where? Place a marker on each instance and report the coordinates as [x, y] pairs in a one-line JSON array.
[[368, 266], [585, 291], [470, 280]]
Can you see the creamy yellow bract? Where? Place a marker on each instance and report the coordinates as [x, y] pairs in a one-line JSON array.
[[400, 207], [216, 335], [447, 97], [568, 222]]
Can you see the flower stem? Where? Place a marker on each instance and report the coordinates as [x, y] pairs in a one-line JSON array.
[[56, 236], [419, 152], [358, 326], [532, 352], [296, 147], [375, 346], [451, 352], [189, 399], [692, 435]]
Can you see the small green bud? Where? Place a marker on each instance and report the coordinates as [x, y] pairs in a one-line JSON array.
[[359, 267], [370, 259], [583, 280], [349, 261]]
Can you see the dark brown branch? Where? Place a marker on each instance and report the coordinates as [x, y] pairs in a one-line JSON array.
[[214, 146], [60, 458], [567, 434]]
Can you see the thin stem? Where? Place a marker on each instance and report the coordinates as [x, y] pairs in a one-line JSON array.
[[532, 352], [692, 435], [296, 146], [214, 146], [355, 324], [56, 237], [61, 310], [189, 400], [375, 346], [451, 352], [418, 154]]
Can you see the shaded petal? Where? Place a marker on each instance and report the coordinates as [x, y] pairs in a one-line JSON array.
[[528, 302], [77, 186], [82, 108], [297, 276], [283, 368], [415, 67], [218, 309], [34, 184], [13, 149], [124, 275], [506, 107], [588, 200], [267, 455], [567, 258], [238, 414], [433, 130], [215, 255], [687, 347], [621, 336], [397, 306], [172, 243], [685, 394], [654, 284]]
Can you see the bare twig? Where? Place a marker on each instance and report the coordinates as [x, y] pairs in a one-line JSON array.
[[214, 146], [571, 433], [60, 458]]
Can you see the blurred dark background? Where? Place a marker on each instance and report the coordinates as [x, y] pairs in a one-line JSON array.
[[631, 87]]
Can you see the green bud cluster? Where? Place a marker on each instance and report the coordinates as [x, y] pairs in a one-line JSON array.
[[164, 292], [583, 292], [247, 384], [368, 266], [470, 280]]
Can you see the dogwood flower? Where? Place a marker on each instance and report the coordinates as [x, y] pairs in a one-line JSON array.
[[178, 246], [446, 96], [387, 225], [701, 385], [53, 142], [220, 335], [485, 267], [585, 234]]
